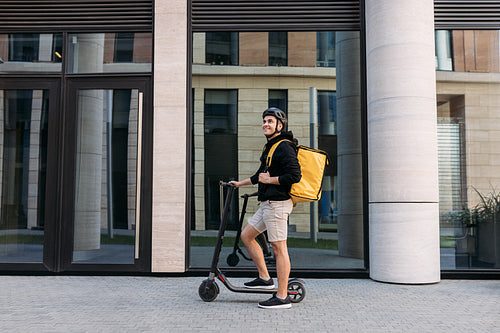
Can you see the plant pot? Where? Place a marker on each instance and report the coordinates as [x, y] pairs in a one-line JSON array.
[[488, 242]]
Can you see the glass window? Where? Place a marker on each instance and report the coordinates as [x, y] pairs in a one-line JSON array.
[[109, 52], [222, 48], [124, 47], [220, 153], [106, 177], [469, 147], [327, 113], [278, 48], [278, 99], [228, 102], [327, 141], [23, 168], [30, 53], [220, 111], [325, 54], [23, 47]]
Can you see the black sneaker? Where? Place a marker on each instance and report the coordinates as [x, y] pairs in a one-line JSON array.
[[276, 303], [259, 283]]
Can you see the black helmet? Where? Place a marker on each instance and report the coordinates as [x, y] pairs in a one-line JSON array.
[[277, 113]]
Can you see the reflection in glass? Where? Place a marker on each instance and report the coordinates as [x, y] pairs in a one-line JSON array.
[[30, 52], [228, 145], [221, 145], [327, 114], [222, 48], [109, 52], [278, 99], [278, 48], [23, 166], [106, 159], [325, 55], [468, 147], [327, 141]]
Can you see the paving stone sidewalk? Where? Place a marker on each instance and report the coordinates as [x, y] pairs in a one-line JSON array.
[[158, 304]]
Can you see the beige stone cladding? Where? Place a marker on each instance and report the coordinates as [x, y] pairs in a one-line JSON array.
[[169, 141]]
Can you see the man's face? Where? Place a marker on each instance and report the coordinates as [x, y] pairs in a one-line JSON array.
[[269, 124]]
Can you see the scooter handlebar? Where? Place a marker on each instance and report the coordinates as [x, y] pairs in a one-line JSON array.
[[226, 184]]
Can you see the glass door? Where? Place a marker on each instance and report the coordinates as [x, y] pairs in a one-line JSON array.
[[105, 159], [28, 173]]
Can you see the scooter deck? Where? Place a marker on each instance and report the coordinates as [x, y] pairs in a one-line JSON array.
[[221, 277]]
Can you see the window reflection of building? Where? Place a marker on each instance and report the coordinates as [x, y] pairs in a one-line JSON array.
[[325, 49], [221, 151], [24, 130], [278, 48], [23, 47], [30, 52], [221, 48], [327, 141], [278, 98], [260, 84], [124, 47], [468, 87]]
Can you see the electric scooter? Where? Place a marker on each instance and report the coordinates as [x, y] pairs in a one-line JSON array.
[[209, 289]]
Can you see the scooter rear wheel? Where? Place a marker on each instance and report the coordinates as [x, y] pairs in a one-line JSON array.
[[210, 293], [296, 291], [233, 259]]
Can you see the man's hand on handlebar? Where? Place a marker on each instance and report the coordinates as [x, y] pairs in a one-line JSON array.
[[235, 183], [244, 182]]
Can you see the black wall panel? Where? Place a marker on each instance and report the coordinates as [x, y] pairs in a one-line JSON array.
[[269, 15], [463, 14], [76, 15]]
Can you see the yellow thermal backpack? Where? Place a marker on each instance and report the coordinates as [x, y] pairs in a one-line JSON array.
[[312, 166]]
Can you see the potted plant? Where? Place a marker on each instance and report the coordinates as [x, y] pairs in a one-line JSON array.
[[488, 228]]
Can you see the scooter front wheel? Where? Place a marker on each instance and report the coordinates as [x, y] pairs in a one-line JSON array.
[[208, 290], [296, 291]]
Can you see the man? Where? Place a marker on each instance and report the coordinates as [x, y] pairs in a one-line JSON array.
[[274, 185]]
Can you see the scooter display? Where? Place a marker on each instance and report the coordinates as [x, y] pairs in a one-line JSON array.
[[209, 290]]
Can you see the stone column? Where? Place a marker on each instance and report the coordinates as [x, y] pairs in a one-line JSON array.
[[132, 150], [402, 141], [89, 171], [89, 148], [34, 158], [170, 130], [443, 51], [350, 186]]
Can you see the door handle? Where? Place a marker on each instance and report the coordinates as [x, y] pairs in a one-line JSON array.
[[138, 177]]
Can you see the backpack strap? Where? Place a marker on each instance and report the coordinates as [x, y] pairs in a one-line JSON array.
[[271, 152]]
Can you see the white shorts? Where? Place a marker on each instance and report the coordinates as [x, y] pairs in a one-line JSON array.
[[273, 217]]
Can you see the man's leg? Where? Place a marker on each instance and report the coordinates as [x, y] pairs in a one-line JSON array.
[[248, 236], [280, 250]]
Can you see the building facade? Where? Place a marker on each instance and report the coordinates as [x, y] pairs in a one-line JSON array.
[[119, 121]]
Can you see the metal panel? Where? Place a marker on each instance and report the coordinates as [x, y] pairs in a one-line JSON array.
[[463, 14], [264, 15], [76, 15]]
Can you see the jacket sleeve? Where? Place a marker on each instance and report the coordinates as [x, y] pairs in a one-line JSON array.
[[255, 178], [291, 166]]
